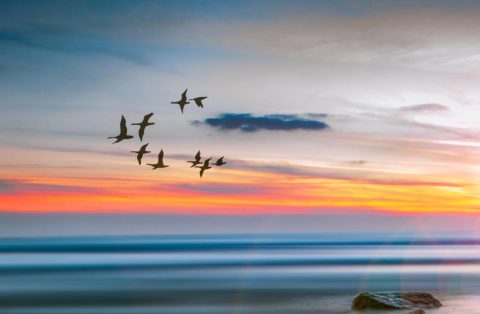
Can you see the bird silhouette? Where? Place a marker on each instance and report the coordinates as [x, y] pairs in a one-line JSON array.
[[183, 101], [196, 161], [143, 150], [159, 163], [123, 132], [198, 101], [144, 124], [204, 167], [220, 162]]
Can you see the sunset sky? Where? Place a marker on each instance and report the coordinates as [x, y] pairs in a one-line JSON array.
[[324, 109]]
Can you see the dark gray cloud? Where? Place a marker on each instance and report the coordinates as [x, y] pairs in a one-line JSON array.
[[247, 122], [425, 108]]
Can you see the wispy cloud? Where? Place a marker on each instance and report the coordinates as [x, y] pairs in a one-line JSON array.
[[11, 186], [6, 186], [71, 46], [424, 108], [358, 162], [222, 189], [247, 122]]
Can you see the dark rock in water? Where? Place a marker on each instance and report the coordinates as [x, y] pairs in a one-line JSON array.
[[395, 301], [417, 311]]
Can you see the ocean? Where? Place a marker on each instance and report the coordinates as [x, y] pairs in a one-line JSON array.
[[248, 274]]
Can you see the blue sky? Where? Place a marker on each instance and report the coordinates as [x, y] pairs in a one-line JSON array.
[[381, 92]]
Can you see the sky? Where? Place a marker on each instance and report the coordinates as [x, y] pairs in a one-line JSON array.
[[326, 111]]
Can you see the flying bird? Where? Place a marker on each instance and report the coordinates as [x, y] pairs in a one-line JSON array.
[[198, 101], [196, 161], [123, 132], [183, 101], [144, 124], [204, 167], [143, 150], [159, 163], [220, 162]]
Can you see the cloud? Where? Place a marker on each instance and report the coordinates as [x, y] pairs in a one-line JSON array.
[[221, 189], [424, 108], [71, 46], [6, 185], [12, 186], [358, 162], [246, 122], [316, 115], [373, 177]]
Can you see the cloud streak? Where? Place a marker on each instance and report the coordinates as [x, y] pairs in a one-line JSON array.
[[247, 122], [221, 189], [71, 46], [14, 187], [424, 108]]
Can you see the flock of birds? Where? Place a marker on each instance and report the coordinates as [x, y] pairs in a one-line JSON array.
[[197, 163]]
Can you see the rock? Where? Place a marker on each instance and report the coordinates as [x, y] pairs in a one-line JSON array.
[[417, 311], [395, 301]]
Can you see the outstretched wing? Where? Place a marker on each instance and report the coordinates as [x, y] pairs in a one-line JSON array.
[[198, 156], [123, 126], [146, 118], [160, 158], [206, 162], [184, 95]]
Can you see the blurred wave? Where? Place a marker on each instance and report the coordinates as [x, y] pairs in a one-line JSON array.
[[226, 273]]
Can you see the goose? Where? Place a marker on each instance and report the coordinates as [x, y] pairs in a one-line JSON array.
[[198, 101], [159, 163], [123, 132], [220, 162], [204, 167], [144, 124], [196, 161], [182, 102], [143, 150]]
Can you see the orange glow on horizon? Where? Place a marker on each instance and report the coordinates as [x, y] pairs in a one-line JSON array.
[[237, 193]]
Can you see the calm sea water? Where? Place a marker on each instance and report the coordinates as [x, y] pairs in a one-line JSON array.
[[231, 273]]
